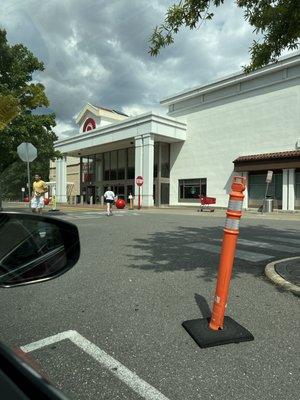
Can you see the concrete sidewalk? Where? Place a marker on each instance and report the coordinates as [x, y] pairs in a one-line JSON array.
[[175, 210], [62, 207]]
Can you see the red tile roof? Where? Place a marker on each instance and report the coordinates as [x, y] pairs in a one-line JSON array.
[[269, 156]]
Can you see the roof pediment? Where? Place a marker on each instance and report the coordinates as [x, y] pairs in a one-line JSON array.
[[88, 108], [105, 114]]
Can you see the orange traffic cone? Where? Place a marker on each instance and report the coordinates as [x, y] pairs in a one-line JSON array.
[[220, 329]]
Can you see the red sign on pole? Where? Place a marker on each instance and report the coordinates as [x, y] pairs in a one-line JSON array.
[[139, 180]]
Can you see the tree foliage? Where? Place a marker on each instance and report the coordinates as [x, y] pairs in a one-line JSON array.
[[19, 99], [277, 20], [9, 109]]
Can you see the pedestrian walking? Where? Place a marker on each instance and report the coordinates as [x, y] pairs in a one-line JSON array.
[[39, 189], [109, 197]]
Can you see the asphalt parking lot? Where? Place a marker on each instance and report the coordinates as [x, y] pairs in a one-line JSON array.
[[119, 311]]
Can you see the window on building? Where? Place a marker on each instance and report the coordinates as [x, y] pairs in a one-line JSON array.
[[257, 188], [130, 167], [106, 166], [84, 168], [165, 160], [164, 150], [113, 164], [116, 162], [98, 168], [191, 189], [88, 169], [156, 151], [121, 163], [120, 192]]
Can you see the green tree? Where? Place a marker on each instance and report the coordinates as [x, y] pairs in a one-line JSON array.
[[19, 99], [277, 20], [9, 109]]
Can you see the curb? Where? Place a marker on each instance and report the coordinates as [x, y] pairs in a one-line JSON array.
[[278, 279]]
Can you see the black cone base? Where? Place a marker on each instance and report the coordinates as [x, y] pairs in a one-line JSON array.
[[206, 337]]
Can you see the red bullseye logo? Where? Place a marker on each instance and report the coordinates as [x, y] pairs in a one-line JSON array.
[[89, 125]]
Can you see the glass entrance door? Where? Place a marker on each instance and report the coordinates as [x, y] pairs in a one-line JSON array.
[[121, 190], [90, 194]]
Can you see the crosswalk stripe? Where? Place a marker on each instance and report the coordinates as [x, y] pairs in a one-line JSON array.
[[264, 245], [241, 254], [281, 239]]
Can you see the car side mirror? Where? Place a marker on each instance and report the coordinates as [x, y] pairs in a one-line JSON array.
[[35, 248]]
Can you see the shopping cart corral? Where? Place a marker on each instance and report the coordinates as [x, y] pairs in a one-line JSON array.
[[206, 203]]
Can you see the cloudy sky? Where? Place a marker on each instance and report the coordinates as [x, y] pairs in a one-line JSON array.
[[97, 51]]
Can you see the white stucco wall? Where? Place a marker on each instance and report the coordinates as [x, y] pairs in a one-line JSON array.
[[262, 121]]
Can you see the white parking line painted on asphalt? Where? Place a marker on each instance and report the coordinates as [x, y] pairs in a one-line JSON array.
[[241, 254], [130, 378], [47, 341]]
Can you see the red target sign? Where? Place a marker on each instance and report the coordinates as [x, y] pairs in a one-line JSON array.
[[139, 180], [89, 125]]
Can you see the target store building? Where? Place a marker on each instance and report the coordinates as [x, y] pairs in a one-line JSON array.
[[240, 125]]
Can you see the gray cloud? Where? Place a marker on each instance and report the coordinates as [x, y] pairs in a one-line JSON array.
[[97, 51]]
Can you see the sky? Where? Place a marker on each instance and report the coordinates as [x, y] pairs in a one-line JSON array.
[[96, 51]]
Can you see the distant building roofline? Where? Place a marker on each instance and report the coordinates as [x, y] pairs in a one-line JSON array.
[[110, 109], [283, 62]]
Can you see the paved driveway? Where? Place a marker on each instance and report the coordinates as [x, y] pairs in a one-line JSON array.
[[119, 312]]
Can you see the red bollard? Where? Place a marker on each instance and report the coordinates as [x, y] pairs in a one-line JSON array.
[[220, 329]]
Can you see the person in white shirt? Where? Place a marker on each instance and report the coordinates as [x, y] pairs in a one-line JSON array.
[[109, 197]]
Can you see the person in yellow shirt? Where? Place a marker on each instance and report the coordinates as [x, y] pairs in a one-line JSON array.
[[39, 189]]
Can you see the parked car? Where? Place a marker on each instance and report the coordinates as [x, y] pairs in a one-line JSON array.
[[35, 249]]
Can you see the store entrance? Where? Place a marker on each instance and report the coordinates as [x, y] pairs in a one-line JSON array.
[[161, 193], [121, 190], [90, 194]]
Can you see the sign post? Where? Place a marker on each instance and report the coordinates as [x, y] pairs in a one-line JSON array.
[[27, 153], [139, 181], [268, 181]]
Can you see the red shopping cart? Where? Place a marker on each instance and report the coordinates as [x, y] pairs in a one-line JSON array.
[[206, 202]]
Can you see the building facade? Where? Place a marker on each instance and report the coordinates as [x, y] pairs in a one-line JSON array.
[[240, 125], [72, 177]]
